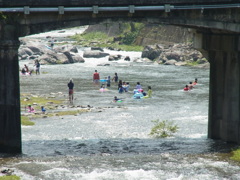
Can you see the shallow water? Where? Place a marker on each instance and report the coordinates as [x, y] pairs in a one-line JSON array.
[[112, 141]]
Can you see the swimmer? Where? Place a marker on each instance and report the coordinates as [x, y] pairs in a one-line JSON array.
[[186, 88], [190, 86], [149, 93], [138, 86], [116, 99], [195, 81]]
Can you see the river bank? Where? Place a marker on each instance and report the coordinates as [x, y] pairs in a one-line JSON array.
[[70, 50]]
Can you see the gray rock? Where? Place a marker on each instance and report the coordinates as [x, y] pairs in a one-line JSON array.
[[180, 64], [170, 62], [68, 55], [25, 51], [114, 57], [151, 52], [127, 58], [97, 49], [35, 50], [78, 58], [94, 54]]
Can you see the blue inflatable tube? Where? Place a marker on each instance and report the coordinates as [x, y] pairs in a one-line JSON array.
[[138, 96], [103, 80]]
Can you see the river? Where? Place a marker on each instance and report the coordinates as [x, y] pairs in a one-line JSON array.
[[112, 141]]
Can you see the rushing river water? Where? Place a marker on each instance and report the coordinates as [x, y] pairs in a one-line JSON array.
[[112, 142]]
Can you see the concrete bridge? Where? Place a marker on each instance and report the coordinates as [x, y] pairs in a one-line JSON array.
[[216, 24]]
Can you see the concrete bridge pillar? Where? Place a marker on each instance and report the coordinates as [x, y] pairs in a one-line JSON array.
[[10, 121], [224, 99]]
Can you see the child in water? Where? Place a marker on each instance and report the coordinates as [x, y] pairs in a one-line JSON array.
[[195, 82], [116, 99], [149, 93], [190, 86], [30, 109]]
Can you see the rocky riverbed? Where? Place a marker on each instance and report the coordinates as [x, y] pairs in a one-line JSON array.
[[38, 47]]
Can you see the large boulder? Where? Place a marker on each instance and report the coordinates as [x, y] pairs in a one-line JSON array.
[[114, 57], [35, 50], [152, 52], [97, 49], [176, 55], [77, 58], [69, 57], [94, 54], [170, 62], [64, 48], [127, 58], [25, 51], [53, 58]]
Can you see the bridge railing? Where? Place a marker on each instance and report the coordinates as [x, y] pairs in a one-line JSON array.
[[130, 8]]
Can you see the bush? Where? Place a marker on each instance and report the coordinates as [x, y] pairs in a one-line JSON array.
[[163, 129], [236, 155], [129, 38], [25, 121]]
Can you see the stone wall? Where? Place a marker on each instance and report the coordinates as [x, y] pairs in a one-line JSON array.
[[164, 34], [150, 34]]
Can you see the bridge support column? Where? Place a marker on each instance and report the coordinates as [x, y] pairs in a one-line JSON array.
[[10, 125], [224, 99]]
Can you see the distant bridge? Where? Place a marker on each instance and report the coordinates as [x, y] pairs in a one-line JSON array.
[[217, 28]]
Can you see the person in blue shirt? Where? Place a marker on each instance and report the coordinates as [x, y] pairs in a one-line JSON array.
[[43, 109]]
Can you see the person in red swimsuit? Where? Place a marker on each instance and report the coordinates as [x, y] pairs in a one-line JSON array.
[[96, 77], [186, 88]]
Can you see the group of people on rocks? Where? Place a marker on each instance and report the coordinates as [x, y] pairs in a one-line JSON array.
[[30, 109], [26, 71], [191, 85]]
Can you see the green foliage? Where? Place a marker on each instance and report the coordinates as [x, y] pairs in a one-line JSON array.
[[92, 36], [29, 99], [39, 101], [3, 16], [12, 177], [163, 129], [131, 33], [25, 121], [128, 36], [236, 155]]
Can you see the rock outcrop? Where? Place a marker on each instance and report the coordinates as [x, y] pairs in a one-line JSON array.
[[177, 54], [61, 54]]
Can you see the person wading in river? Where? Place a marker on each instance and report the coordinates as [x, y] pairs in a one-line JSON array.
[[96, 77], [70, 91]]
